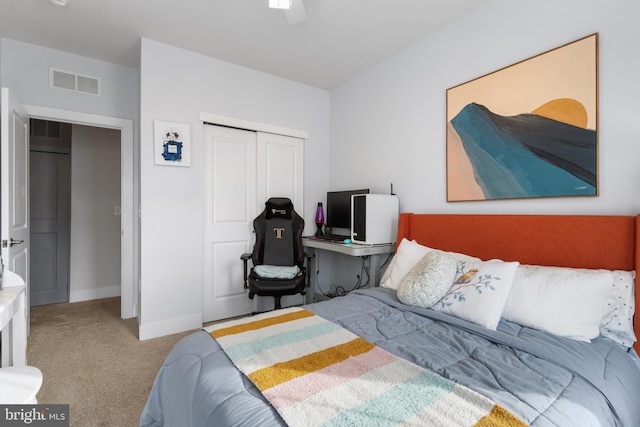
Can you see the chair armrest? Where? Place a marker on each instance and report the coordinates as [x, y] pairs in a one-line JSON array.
[[245, 258]]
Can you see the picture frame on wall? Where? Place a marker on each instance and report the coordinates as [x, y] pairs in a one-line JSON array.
[[529, 130], [172, 143]]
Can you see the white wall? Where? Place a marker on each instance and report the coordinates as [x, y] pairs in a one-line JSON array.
[[395, 112], [177, 85], [24, 68], [95, 230]]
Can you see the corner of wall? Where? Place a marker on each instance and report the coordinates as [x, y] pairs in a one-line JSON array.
[[169, 326]]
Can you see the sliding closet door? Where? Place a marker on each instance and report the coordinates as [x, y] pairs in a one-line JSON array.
[[243, 169], [281, 168], [230, 207]]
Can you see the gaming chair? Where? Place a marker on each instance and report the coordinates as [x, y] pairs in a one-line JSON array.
[[278, 256]]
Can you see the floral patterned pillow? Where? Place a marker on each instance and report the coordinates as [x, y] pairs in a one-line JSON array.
[[428, 281], [479, 291]]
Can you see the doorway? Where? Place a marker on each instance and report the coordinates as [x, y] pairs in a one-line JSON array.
[[75, 212], [129, 266]]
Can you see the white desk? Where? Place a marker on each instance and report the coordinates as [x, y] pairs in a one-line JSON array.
[[376, 254], [13, 320]]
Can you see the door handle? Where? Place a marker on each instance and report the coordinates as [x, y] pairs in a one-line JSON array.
[[11, 243]]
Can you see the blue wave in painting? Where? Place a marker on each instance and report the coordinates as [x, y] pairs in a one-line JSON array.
[[527, 155]]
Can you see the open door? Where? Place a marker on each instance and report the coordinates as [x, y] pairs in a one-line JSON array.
[[14, 185]]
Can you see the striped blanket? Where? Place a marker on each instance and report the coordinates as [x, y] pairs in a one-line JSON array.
[[316, 373]]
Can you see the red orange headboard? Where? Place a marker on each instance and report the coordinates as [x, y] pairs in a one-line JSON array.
[[578, 241]]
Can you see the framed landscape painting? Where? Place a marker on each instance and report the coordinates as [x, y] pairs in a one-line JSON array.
[[528, 130]]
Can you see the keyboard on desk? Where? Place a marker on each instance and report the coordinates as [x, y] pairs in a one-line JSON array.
[[333, 237]]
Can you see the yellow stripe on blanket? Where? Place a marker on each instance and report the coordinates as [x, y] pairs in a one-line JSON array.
[[279, 373], [500, 417], [258, 324]]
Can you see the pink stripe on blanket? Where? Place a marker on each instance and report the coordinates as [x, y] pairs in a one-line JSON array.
[[301, 388]]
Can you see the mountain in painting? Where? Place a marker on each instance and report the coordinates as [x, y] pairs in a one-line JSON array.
[[527, 155]]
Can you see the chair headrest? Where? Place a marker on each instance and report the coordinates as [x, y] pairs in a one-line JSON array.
[[278, 207]]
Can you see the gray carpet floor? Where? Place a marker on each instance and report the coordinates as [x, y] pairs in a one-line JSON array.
[[92, 360]]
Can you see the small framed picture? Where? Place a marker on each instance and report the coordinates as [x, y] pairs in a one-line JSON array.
[[172, 143]]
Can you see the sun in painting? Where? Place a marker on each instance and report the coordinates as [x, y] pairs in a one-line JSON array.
[[565, 110]]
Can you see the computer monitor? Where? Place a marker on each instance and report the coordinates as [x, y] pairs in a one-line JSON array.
[[339, 210]]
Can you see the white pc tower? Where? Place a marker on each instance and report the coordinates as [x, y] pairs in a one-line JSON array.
[[374, 218]]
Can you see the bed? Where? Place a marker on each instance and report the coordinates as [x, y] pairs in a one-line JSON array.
[[534, 353]]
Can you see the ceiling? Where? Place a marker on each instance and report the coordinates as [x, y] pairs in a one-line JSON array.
[[338, 40]]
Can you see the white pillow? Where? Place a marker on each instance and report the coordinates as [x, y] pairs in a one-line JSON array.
[[479, 292], [407, 256], [428, 281], [563, 301], [616, 321]]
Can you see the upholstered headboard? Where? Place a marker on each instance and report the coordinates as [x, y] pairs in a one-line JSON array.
[[578, 241]]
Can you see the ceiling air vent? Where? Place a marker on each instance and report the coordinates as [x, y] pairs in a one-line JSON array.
[[75, 82]]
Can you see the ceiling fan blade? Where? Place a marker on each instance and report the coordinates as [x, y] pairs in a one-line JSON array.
[[296, 13]]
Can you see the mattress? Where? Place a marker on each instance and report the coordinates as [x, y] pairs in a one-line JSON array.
[[544, 379]]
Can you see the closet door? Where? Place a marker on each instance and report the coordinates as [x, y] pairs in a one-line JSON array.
[[230, 207], [242, 169], [281, 169]]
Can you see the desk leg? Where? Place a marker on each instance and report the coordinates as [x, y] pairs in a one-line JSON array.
[[311, 271], [376, 262], [374, 270]]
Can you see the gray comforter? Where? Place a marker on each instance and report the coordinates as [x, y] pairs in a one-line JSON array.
[[543, 379]]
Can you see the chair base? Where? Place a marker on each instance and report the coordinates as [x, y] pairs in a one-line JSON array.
[[277, 299]]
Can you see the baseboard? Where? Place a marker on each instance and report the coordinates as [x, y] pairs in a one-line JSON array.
[[169, 326], [95, 293]]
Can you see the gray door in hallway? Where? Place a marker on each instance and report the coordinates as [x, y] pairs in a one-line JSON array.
[[50, 222]]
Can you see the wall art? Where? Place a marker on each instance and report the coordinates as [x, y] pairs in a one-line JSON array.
[[172, 143], [529, 130]]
